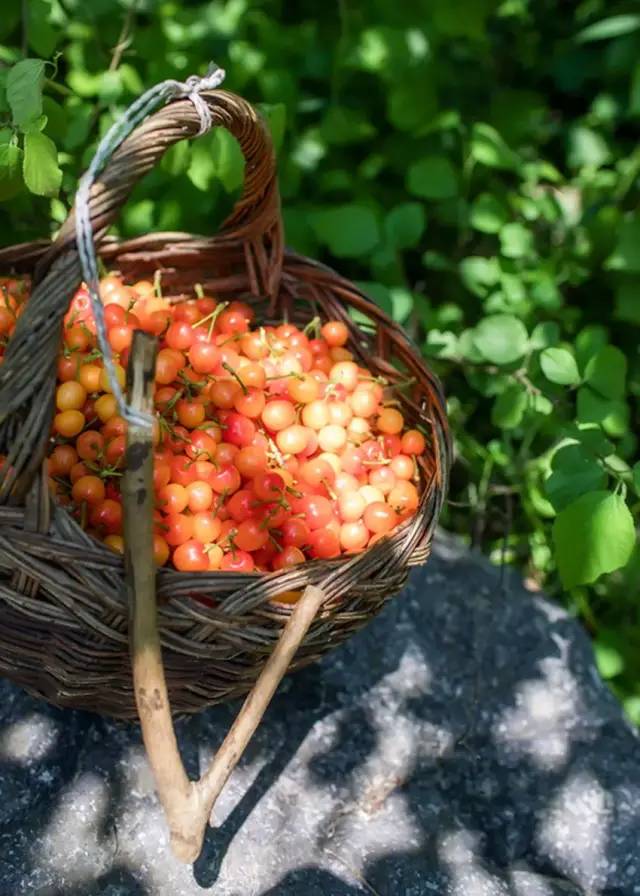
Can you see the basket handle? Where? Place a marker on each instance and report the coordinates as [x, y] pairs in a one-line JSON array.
[[254, 220], [187, 804], [255, 223]]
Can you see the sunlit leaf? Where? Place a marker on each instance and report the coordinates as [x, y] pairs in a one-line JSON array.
[[501, 338], [24, 90], [613, 26], [40, 168], [10, 170], [559, 366], [433, 177], [593, 535], [347, 230]]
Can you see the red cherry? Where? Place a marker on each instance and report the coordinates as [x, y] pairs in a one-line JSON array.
[[237, 561], [179, 335], [225, 480], [268, 486], [295, 533], [239, 430], [324, 544], [190, 556], [317, 510]]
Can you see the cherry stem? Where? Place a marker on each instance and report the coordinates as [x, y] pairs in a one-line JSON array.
[[157, 283], [313, 327], [234, 374], [212, 316]]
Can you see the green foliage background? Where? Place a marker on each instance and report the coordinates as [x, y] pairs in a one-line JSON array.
[[475, 164]]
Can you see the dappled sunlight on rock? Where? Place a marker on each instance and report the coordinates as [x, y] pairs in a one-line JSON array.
[[459, 856], [574, 831], [543, 720], [71, 845], [28, 740]]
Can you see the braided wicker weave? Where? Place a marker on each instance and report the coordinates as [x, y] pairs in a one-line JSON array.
[[63, 614]]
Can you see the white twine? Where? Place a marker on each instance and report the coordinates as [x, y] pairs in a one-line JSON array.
[[119, 130]]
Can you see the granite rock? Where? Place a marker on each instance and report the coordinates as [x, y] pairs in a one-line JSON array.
[[461, 745]]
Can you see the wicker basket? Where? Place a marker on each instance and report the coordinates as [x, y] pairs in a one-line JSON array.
[[63, 616]]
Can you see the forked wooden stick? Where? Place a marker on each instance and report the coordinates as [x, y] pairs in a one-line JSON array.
[[187, 804]]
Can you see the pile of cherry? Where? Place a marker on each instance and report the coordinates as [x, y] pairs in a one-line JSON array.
[[272, 444]]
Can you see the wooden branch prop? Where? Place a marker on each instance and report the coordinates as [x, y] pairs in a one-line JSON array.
[[187, 804]]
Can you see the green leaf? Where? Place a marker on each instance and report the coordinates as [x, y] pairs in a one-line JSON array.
[[588, 342], [228, 160], [587, 148], [84, 83], [467, 20], [487, 214], [10, 170], [348, 230], [201, 171], [606, 372], [379, 293], [516, 240], [488, 148], [433, 177], [591, 437], [501, 338], [612, 415], [404, 225], [635, 473], [545, 334], [373, 50], [11, 11], [412, 101], [479, 273], [437, 261], [626, 255], [467, 347], [627, 302], [614, 26], [559, 366], [509, 407], [138, 216], [56, 116], [41, 172], [402, 303], [275, 115], [130, 79], [634, 92], [540, 404], [609, 658], [38, 124], [110, 86], [41, 35], [176, 159], [441, 344], [632, 709], [24, 90], [573, 473], [593, 535], [343, 126]]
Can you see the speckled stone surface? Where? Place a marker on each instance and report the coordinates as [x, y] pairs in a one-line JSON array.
[[462, 745]]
